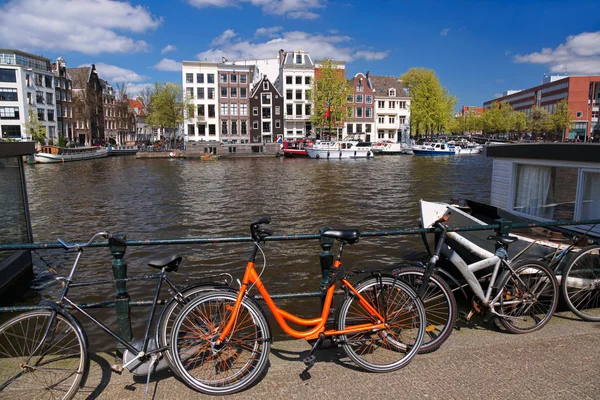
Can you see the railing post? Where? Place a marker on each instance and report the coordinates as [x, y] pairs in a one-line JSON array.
[[326, 260], [505, 227], [119, 266]]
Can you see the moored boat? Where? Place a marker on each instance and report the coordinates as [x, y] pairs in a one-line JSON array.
[[338, 150], [434, 149], [114, 150], [55, 154], [388, 147], [295, 149]]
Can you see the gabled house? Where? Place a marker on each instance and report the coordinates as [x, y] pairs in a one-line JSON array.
[[392, 109], [88, 110], [266, 112], [361, 105]]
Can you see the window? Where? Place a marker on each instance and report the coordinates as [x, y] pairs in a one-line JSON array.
[[368, 112], [298, 94], [289, 94], [8, 94], [402, 120], [350, 98], [359, 98], [266, 98], [289, 109], [402, 104], [224, 108], [350, 129], [243, 127], [392, 104], [8, 75], [223, 78], [359, 112], [224, 128], [255, 111], [243, 109], [201, 129], [298, 58], [369, 99], [199, 78], [358, 128], [200, 93], [243, 93], [265, 85], [392, 120], [49, 98], [234, 109], [48, 81], [50, 115], [288, 79], [277, 110], [298, 80], [579, 114], [189, 78], [392, 92], [234, 127], [189, 92], [9, 112], [307, 80], [212, 129], [224, 92], [11, 131], [367, 128], [243, 78], [591, 196], [307, 109], [266, 127], [381, 104], [298, 109], [191, 130], [40, 112], [266, 112], [201, 110], [380, 134], [233, 78], [211, 111], [277, 123], [233, 92], [255, 124]]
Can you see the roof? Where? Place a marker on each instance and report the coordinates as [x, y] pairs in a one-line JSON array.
[[137, 105], [74, 72], [383, 83]]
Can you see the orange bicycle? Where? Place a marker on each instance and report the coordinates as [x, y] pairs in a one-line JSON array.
[[220, 341]]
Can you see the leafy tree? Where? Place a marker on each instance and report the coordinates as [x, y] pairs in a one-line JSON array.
[[432, 105], [330, 96], [124, 115], [35, 127], [166, 108], [561, 119], [520, 119], [539, 121], [500, 118]]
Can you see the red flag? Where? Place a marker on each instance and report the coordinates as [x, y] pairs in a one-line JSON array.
[[328, 113]]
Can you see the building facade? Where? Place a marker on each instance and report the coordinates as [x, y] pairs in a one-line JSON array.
[[361, 106], [392, 109], [64, 101], [200, 89], [26, 83], [582, 94], [88, 110], [296, 75], [266, 119], [235, 83]]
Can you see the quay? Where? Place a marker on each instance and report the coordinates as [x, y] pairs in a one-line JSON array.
[[478, 361]]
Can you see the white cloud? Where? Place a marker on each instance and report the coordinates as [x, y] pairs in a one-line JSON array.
[[168, 48], [444, 32], [134, 89], [337, 47], [580, 54], [295, 9], [224, 38], [114, 74], [166, 64], [269, 32], [86, 26]]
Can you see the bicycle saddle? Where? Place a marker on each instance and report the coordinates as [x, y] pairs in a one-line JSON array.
[[349, 236], [503, 239], [171, 263]]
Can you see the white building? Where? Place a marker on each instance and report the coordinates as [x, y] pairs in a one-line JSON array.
[[392, 109], [295, 83], [200, 86], [26, 81]]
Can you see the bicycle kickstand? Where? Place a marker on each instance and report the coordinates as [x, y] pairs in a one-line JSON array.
[[310, 359]]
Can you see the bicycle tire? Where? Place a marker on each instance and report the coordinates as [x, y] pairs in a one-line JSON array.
[[533, 304], [55, 369], [230, 368], [580, 284], [379, 351], [440, 307], [173, 308]]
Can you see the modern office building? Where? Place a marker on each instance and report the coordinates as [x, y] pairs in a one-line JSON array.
[[26, 82], [582, 94]]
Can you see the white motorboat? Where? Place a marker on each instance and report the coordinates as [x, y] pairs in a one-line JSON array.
[[55, 154], [123, 150], [338, 150], [434, 149], [462, 150], [388, 147]]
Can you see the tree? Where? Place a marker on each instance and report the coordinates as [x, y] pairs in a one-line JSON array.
[[123, 112], [561, 119], [166, 108], [500, 118], [431, 104], [329, 96], [520, 122], [539, 121], [35, 127]]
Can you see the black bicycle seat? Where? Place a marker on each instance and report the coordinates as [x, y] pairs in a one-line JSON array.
[[349, 236], [171, 263], [503, 239]]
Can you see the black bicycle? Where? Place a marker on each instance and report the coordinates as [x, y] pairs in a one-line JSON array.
[[44, 353]]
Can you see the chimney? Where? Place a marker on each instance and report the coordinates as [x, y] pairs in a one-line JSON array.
[[281, 57], [368, 75]]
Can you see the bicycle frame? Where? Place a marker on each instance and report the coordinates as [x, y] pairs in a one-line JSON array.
[[281, 316]]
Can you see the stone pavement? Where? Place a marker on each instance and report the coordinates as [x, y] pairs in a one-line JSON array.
[[561, 361]]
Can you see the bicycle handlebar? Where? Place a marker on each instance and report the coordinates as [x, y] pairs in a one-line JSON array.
[[259, 233], [107, 235]]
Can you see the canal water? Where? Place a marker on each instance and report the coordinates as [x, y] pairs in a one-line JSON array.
[[176, 198]]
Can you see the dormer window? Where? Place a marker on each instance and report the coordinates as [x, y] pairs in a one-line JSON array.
[[265, 85], [298, 58], [392, 92]]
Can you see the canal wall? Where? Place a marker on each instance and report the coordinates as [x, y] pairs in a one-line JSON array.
[[205, 150]]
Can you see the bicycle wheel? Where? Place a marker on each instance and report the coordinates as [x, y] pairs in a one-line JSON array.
[[529, 296], [235, 364], [389, 349], [34, 367], [173, 308], [580, 284], [440, 307]]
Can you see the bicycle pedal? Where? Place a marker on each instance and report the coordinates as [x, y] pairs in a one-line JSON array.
[[309, 361], [117, 368]]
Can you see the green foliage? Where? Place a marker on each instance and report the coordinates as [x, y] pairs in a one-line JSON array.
[[539, 122], [35, 128], [431, 104], [561, 119], [329, 85], [167, 106], [62, 141]]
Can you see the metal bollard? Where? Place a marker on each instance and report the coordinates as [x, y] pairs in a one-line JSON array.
[[117, 247]]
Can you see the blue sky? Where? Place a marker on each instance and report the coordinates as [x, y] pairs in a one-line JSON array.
[[478, 49]]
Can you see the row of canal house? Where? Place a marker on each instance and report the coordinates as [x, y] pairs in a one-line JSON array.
[[260, 101]]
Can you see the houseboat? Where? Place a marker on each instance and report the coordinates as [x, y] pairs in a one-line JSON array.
[[337, 150], [55, 154]]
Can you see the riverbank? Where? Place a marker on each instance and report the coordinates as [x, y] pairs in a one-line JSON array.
[[558, 362]]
